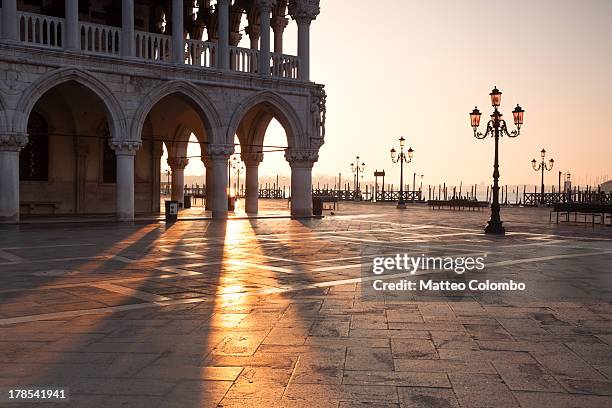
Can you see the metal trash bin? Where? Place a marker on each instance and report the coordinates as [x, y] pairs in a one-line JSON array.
[[317, 206], [187, 201], [172, 208], [231, 203]]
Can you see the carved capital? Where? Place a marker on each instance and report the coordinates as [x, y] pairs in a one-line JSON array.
[[251, 159], [304, 11], [235, 39], [301, 157], [220, 151], [265, 6], [279, 23], [125, 147], [253, 30], [12, 142], [177, 163]]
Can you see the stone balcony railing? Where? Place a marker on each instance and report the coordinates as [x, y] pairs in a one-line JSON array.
[[50, 32]]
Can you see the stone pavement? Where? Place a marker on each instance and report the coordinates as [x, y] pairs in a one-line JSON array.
[[273, 313]]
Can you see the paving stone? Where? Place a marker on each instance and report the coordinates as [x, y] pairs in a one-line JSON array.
[[444, 366], [479, 390], [541, 399], [527, 377], [366, 358], [413, 349], [405, 378], [420, 397]]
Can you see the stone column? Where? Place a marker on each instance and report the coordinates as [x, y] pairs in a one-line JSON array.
[[10, 29], [278, 26], [10, 146], [304, 11], [178, 32], [301, 162], [125, 150], [177, 165], [219, 155], [209, 182], [251, 162], [265, 8], [253, 31], [127, 28], [71, 34], [223, 34]]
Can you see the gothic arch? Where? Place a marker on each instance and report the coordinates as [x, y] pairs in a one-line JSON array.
[[281, 110], [204, 106], [36, 90]]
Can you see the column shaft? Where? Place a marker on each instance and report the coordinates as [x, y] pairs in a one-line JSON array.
[[9, 185], [125, 186], [304, 50], [71, 35], [9, 20], [127, 30], [178, 32], [252, 188], [223, 34], [264, 45], [178, 186], [209, 186], [301, 190], [219, 198]]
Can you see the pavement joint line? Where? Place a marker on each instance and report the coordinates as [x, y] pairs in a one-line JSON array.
[[134, 293], [12, 258], [46, 246]]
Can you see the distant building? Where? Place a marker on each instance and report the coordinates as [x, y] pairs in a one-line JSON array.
[[607, 186], [89, 92]]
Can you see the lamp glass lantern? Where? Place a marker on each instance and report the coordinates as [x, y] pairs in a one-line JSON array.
[[475, 117], [543, 153], [393, 152], [518, 113], [495, 97], [410, 153], [402, 141]]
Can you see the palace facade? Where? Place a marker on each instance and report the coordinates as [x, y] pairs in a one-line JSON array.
[[90, 91]]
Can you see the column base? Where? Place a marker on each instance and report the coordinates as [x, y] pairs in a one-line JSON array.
[[495, 227], [13, 219], [301, 213], [220, 215], [401, 205]]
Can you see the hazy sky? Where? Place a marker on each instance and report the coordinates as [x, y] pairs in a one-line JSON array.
[[417, 68]]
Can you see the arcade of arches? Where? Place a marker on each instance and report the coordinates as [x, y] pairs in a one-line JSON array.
[[72, 161]]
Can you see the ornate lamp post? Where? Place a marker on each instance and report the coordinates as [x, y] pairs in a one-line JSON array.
[[357, 168], [542, 166], [237, 165], [401, 158], [496, 127]]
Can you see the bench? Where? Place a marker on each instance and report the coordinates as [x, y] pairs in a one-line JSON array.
[[33, 204], [459, 204], [601, 212]]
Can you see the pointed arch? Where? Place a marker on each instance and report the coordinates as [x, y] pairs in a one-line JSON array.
[[202, 103], [279, 108], [114, 112]]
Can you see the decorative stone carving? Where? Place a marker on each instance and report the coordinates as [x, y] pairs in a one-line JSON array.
[[177, 163], [318, 112], [125, 147], [12, 142], [307, 156], [253, 31], [265, 5], [251, 158], [304, 11], [279, 24], [219, 151]]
